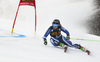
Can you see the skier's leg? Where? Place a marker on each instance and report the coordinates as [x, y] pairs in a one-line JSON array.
[[77, 46], [65, 41], [70, 44], [56, 42]]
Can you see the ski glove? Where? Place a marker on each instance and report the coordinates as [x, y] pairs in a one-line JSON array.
[[45, 41], [68, 37]]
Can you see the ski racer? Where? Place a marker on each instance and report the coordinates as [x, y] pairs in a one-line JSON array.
[[57, 39]]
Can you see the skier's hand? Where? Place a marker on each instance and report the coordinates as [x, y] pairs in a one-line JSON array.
[[45, 41], [68, 37]]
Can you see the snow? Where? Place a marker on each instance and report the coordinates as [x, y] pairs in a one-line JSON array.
[[72, 13]]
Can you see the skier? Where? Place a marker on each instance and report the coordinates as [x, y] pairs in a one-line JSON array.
[[57, 39]]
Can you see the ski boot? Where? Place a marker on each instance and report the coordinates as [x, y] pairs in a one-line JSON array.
[[65, 47], [85, 50], [88, 52]]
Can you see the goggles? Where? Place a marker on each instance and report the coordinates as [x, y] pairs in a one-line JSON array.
[[55, 25]]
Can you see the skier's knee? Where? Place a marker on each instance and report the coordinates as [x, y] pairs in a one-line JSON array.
[[77, 46]]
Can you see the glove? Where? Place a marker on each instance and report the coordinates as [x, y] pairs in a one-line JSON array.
[[45, 41], [68, 37]]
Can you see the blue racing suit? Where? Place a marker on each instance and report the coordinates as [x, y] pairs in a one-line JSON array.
[[57, 37]]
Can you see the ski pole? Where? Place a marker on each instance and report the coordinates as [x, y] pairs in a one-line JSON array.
[[85, 39]]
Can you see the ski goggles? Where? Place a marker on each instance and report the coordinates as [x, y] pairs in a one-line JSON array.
[[55, 25]]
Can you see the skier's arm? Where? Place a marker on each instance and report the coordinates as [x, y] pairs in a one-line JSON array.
[[47, 33], [65, 31], [45, 36]]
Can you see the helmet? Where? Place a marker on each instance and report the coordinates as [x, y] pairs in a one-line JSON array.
[[56, 21]]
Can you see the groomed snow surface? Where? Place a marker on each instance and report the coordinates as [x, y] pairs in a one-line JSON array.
[[24, 46]]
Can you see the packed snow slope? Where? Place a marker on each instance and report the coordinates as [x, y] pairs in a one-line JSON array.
[[24, 46]]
